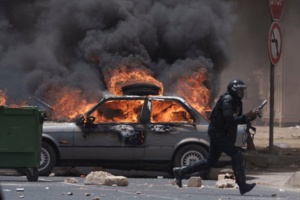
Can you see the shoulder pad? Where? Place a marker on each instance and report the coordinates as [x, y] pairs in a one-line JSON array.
[[227, 97]]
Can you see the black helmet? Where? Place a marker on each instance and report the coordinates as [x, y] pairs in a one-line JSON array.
[[236, 88]]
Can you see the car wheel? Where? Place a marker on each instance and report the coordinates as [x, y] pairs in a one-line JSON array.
[[48, 159], [189, 154]]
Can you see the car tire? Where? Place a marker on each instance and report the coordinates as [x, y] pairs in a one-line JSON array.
[[48, 159], [189, 154]]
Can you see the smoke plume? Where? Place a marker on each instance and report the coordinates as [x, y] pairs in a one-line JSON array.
[[50, 44]]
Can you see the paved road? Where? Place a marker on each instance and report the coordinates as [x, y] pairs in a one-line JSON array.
[[49, 188]]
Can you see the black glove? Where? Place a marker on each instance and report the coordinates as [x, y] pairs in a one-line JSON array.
[[252, 114]]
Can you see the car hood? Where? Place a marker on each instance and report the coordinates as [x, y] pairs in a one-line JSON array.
[[58, 126]]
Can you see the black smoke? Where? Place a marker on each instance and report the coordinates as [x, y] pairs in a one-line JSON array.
[[77, 43]]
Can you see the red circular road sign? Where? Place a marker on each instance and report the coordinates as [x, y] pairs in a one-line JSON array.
[[276, 7], [275, 43]]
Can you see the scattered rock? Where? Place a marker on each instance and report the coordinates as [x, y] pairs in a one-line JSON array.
[[226, 183], [96, 198], [116, 180], [194, 181], [70, 193], [273, 195], [87, 194], [226, 176], [71, 180], [96, 178]]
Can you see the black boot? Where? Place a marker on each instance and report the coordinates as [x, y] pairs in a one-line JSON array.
[[239, 172], [180, 172], [246, 187]]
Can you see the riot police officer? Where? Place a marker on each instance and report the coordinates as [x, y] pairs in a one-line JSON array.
[[222, 130]]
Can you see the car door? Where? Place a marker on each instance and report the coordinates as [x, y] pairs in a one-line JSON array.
[[170, 124], [114, 133]]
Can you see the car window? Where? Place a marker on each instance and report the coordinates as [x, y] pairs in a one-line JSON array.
[[119, 111], [169, 111]]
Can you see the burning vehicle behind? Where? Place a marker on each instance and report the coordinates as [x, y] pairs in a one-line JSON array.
[[129, 132]]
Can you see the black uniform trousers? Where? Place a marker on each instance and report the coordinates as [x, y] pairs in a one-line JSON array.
[[218, 144]]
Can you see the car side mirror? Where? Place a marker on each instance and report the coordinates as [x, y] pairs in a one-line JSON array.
[[79, 120], [89, 122]]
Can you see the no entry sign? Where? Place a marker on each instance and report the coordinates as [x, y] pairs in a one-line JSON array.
[[276, 7], [275, 43]]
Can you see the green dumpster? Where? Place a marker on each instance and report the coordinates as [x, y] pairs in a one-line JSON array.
[[20, 139]]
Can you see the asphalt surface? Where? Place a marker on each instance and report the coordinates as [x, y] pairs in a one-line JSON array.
[[49, 188], [271, 172]]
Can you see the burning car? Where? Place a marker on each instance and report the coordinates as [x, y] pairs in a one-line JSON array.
[[129, 132]]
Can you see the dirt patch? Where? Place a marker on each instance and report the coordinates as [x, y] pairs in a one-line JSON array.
[[285, 153]]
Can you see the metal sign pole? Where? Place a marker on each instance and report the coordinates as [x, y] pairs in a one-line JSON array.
[[275, 44], [271, 123]]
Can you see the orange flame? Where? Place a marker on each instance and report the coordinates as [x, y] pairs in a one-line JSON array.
[[119, 111], [191, 88], [2, 98], [128, 111], [68, 103], [3, 101], [123, 75], [168, 111]]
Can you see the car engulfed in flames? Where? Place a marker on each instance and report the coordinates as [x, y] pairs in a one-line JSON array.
[[129, 132]]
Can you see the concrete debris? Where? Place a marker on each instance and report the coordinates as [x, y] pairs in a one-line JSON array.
[[22, 196], [105, 178], [226, 176], [52, 175], [20, 189], [194, 181], [71, 180], [116, 180], [226, 183], [226, 180], [96, 178]]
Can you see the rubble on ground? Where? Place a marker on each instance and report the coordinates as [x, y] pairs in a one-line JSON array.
[[105, 178], [71, 180], [226, 181], [194, 181]]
